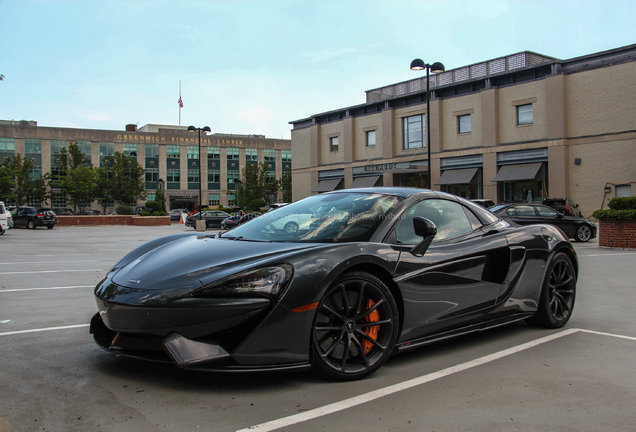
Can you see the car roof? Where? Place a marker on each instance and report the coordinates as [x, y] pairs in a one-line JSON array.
[[403, 192]]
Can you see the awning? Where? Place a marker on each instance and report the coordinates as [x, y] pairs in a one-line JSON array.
[[460, 176], [327, 185], [518, 172], [362, 182]]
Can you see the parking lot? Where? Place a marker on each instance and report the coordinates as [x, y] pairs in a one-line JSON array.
[[54, 378]]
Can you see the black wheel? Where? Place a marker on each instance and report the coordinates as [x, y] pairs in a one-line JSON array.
[[223, 226], [558, 294], [355, 328], [50, 226], [583, 233], [291, 227], [31, 224], [1, 231]]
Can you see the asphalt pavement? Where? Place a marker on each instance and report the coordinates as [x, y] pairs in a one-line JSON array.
[[54, 378]]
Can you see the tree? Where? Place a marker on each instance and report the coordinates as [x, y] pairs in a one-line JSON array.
[[20, 184], [257, 184], [7, 180], [102, 187], [128, 179], [286, 186], [161, 198], [79, 184], [78, 179]]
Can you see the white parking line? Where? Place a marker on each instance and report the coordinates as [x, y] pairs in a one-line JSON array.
[[43, 329], [607, 254], [49, 271], [48, 288], [368, 397]]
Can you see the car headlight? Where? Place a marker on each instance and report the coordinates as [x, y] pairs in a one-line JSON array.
[[267, 280]]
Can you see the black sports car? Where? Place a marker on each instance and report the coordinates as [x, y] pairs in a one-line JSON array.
[[213, 218], [372, 272], [577, 228]]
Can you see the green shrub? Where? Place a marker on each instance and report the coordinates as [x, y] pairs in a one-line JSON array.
[[624, 203], [153, 206], [124, 210], [145, 213], [156, 213], [257, 204], [615, 214], [163, 213]]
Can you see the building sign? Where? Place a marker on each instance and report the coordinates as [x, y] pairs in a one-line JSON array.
[[152, 138], [385, 167]]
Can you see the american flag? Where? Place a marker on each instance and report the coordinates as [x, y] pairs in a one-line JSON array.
[[180, 102]]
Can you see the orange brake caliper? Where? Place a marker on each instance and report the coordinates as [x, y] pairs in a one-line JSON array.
[[371, 331]]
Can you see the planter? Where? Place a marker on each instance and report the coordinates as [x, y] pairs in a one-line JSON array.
[[617, 233], [113, 220]]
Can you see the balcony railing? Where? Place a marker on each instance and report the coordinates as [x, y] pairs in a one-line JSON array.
[[475, 71]]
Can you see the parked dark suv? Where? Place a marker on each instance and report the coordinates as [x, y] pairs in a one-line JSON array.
[[563, 205], [31, 218]]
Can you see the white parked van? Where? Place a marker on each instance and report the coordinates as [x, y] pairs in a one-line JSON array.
[[6, 220]]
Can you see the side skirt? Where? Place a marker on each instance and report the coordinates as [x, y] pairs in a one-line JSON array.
[[404, 346]]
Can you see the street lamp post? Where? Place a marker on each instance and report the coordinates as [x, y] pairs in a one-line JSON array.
[[238, 184], [204, 129], [436, 67]]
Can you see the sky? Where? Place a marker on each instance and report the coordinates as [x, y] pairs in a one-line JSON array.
[[253, 66]]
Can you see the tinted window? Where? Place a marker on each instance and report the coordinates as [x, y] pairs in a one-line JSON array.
[[523, 210], [546, 211], [449, 217]]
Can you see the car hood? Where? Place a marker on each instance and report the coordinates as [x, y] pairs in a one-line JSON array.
[[186, 262]]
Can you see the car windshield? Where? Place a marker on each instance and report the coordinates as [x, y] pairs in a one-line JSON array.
[[334, 218]]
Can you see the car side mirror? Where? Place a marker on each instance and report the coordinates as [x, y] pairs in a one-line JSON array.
[[560, 215], [426, 229]]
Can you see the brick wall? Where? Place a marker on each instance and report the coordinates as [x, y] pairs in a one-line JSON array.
[[617, 233], [113, 220]]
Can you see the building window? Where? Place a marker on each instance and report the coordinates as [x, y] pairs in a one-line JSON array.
[[173, 151], [371, 139], [286, 155], [232, 177], [151, 150], [214, 153], [464, 124], [84, 147], [59, 200], [152, 176], [214, 199], [414, 131], [8, 145], [32, 146], [214, 176], [232, 153], [333, 144], [193, 176], [524, 114], [173, 176], [269, 155], [251, 155], [131, 150], [150, 196], [193, 152]]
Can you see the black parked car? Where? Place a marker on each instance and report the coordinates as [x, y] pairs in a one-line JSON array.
[[31, 217], [63, 212], [577, 228], [378, 271], [238, 219], [563, 205], [213, 218]]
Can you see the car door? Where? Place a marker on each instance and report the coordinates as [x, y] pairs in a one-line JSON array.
[[553, 217], [21, 217], [461, 273]]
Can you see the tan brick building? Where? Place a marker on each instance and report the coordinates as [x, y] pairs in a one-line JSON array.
[[169, 154], [517, 128]]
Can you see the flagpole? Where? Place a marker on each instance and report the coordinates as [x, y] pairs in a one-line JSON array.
[[180, 104]]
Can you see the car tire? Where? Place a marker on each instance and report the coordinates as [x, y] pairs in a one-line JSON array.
[[557, 295], [1, 231], [583, 233], [346, 346], [291, 227], [50, 226], [223, 227], [31, 224]]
